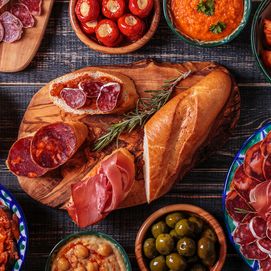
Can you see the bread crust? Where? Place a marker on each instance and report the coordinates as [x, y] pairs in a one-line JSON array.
[[126, 101]]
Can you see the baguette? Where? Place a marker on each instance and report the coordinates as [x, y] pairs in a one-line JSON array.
[[125, 101], [175, 133]]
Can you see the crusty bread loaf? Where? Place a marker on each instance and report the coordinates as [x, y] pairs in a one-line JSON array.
[[126, 101], [177, 131]]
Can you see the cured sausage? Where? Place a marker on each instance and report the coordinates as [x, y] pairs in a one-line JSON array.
[[243, 235], [1, 32], [257, 226], [34, 6], [264, 245], [237, 206], [74, 97], [20, 162], [108, 96], [243, 183], [22, 12], [12, 27], [252, 252], [267, 167], [266, 145], [265, 264], [253, 163], [91, 88], [96, 196], [56, 143]]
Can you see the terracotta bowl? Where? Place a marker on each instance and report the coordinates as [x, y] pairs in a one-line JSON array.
[[184, 208], [91, 43]]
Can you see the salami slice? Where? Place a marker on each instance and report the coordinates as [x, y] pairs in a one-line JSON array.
[[253, 164], [243, 183], [265, 264], [243, 235], [264, 245], [3, 3], [12, 27], [252, 252], [237, 206], [74, 97], [22, 12], [20, 162], [268, 233], [91, 88], [257, 226], [248, 217], [56, 143], [267, 167], [34, 6], [1, 32], [266, 145], [108, 97]]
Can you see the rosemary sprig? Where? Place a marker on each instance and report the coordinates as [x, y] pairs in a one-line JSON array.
[[243, 211], [145, 108]]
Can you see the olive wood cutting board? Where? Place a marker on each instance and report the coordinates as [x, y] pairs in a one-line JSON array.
[[54, 189], [16, 56]]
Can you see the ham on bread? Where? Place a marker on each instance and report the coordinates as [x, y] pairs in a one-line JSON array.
[[93, 92], [103, 189]]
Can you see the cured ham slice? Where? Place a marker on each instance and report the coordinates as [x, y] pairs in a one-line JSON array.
[[101, 192], [257, 226], [34, 6], [237, 206], [267, 168], [22, 12], [253, 163], [260, 198], [243, 235], [243, 183], [252, 252], [264, 245]]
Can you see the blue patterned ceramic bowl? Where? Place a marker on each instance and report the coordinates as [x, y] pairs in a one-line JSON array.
[[9, 201], [258, 135]]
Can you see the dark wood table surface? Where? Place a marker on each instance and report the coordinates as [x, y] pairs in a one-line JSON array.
[[62, 52]]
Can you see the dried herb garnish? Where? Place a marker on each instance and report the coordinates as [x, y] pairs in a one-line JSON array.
[[207, 7], [145, 108], [243, 211], [218, 28]]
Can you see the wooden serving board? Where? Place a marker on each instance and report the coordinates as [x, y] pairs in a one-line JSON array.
[[54, 189], [16, 56]]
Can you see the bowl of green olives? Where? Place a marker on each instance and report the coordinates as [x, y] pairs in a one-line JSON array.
[[180, 237]]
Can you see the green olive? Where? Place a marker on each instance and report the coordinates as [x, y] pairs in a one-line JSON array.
[[197, 267], [149, 248], [158, 264], [206, 248], [159, 228], [175, 262], [173, 234], [209, 233], [164, 244], [210, 261], [173, 218], [186, 247], [198, 223], [185, 228]]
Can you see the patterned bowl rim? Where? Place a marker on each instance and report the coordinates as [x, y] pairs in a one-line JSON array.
[[227, 180], [254, 25], [23, 220], [208, 44], [96, 233]]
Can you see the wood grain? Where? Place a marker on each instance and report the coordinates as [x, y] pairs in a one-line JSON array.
[[16, 56]]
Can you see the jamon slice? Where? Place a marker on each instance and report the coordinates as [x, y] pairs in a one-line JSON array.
[[34, 6], [12, 27], [22, 12]]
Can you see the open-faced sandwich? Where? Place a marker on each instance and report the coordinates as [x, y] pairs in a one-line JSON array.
[[100, 161]]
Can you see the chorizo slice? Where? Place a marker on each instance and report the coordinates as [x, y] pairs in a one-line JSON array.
[[56, 143], [74, 97], [20, 162], [252, 252], [243, 235], [22, 12]]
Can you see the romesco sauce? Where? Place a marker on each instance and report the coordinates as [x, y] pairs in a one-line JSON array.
[[196, 25]]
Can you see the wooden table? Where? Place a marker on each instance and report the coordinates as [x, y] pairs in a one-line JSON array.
[[62, 52]]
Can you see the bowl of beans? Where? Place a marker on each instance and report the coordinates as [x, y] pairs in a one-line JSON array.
[[88, 251], [178, 238]]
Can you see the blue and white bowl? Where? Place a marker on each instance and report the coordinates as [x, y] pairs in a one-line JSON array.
[[6, 199]]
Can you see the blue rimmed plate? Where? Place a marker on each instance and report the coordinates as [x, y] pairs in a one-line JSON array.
[[6, 199], [257, 136]]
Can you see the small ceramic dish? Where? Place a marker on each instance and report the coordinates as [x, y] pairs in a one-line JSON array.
[[7, 200], [68, 238], [191, 209], [232, 195], [93, 44], [191, 41], [257, 38]]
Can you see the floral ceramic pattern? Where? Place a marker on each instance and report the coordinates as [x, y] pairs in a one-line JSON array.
[[7, 200]]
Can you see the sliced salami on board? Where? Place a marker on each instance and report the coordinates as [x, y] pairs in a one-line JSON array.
[[20, 162], [251, 251], [257, 226], [34, 6], [92, 89], [74, 97], [264, 245], [243, 235], [12, 27], [22, 12]]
